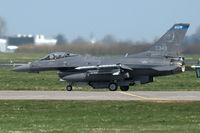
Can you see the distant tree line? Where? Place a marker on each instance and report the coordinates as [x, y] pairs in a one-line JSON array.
[[192, 49], [191, 44], [100, 50], [87, 49], [110, 46], [107, 39], [193, 39]]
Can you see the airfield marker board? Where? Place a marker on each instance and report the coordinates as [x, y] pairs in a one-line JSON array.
[[197, 69], [198, 72]]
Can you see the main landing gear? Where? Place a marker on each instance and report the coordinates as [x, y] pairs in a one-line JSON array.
[[124, 88], [69, 88], [111, 87]]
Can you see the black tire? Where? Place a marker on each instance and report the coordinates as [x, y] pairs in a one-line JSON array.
[[124, 88], [112, 87], [69, 88]]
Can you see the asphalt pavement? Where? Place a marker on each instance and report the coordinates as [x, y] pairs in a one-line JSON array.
[[101, 95]]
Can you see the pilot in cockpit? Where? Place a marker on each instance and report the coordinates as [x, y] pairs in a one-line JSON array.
[[57, 55]]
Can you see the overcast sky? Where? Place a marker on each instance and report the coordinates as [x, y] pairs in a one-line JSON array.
[[125, 19]]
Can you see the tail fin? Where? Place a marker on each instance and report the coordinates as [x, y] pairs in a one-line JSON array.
[[169, 44]]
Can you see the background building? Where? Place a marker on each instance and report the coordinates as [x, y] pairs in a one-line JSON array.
[[3, 45], [11, 43]]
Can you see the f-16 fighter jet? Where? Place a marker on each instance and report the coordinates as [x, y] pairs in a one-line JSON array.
[[100, 72]]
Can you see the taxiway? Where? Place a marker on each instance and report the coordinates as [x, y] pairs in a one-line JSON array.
[[101, 95]]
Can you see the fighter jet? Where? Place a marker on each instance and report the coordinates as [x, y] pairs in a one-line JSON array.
[[100, 72]]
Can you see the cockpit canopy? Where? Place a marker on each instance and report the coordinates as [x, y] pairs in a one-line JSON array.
[[58, 55]]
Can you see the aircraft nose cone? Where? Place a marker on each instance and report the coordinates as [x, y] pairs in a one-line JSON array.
[[23, 68]]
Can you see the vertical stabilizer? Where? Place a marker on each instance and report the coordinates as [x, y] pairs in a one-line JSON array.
[[169, 43]]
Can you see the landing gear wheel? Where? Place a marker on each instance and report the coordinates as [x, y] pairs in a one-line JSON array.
[[69, 88], [124, 88], [112, 87]]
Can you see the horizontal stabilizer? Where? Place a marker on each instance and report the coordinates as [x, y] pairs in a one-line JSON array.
[[165, 68]]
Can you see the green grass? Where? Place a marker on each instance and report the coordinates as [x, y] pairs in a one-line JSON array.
[[19, 57], [10, 80], [50, 81], [192, 57], [99, 117]]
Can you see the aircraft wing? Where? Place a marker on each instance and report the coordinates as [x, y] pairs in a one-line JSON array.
[[101, 67]]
